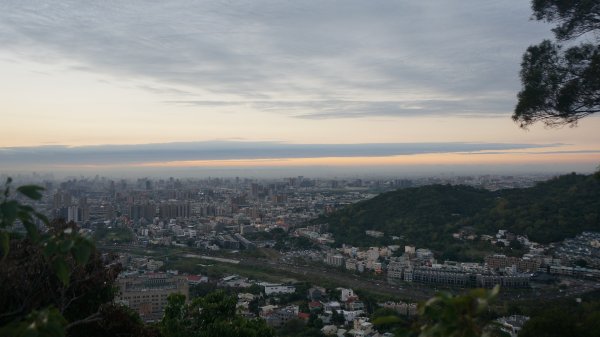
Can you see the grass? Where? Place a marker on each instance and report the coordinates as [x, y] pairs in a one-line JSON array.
[[217, 269], [115, 235]]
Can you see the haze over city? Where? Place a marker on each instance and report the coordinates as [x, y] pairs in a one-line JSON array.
[[281, 168], [271, 86]]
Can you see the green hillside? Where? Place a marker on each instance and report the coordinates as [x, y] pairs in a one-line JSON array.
[[550, 211], [428, 215]]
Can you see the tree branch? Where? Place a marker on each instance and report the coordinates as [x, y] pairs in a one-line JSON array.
[[95, 317]]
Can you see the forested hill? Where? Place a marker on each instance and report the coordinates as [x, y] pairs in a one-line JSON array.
[[428, 215]]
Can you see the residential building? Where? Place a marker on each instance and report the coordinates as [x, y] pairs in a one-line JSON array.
[[147, 293]]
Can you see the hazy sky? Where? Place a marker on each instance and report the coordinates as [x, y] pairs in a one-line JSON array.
[[289, 73]]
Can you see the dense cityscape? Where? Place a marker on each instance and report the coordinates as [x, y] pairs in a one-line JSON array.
[[184, 235], [266, 168]]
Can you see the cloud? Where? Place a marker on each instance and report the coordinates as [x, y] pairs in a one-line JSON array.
[[56, 155], [351, 59], [536, 152], [325, 109]]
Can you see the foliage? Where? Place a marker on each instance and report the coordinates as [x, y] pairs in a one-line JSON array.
[[414, 213], [551, 211], [30, 283], [561, 86], [52, 279], [12, 211], [298, 295], [59, 243], [565, 317], [254, 289], [113, 235], [574, 17], [294, 243], [274, 234], [337, 318], [115, 320], [386, 319], [47, 322], [314, 321], [212, 315], [427, 216], [297, 328], [202, 289], [447, 315]]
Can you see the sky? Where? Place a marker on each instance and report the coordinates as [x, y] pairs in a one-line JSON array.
[[138, 85]]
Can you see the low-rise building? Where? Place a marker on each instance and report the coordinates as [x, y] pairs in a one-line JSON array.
[[272, 289], [403, 308], [512, 324], [280, 316], [147, 293], [375, 234], [523, 265], [440, 276], [347, 294], [336, 260]]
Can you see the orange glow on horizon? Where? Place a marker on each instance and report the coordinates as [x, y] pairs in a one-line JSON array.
[[410, 160]]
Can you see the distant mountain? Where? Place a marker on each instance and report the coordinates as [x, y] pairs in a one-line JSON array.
[[427, 216]]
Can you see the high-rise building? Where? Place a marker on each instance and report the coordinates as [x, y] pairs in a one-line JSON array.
[[138, 211], [174, 210], [61, 199]]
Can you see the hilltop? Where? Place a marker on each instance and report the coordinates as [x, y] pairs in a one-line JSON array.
[[428, 215]]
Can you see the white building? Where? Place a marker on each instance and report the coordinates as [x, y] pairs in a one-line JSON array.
[[512, 324], [346, 294], [350, 316], [329, 330], [278, 289]]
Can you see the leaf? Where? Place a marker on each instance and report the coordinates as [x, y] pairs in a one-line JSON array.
[[61, 270], [42, 217], [23, 215], [8, 211], [48, 323], [82, 251], [31, 191], [494, 292], [4, 243], [26, 208], [7, 188], [50, 247], [32, 231], [66, 245]]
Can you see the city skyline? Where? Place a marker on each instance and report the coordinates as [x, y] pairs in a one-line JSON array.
[[311, 73]]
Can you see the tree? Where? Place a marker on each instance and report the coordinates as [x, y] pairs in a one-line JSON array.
[[386, 319], [446, 315], [562, 85], [297, 328], [54, 283], [211, 316], [291, 328], [337, 318], [202, 289], [115, 320], [29, 283], [33, 316], [553, 322]]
